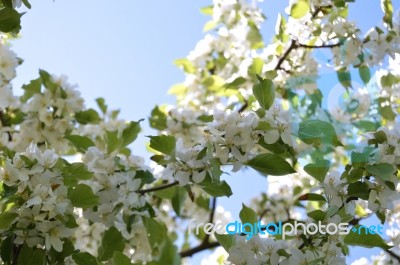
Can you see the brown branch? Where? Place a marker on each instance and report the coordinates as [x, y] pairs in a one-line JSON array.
[[205, 244], [244, 107], [199, 248], [285, 55], [211, 218], [393, 255], [162, 187], [294, 44], [319, 46]]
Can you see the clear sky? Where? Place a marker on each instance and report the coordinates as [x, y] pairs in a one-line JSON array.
[[124, 51]]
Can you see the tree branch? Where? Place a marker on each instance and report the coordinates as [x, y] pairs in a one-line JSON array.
[[205, 244], [162, 187], [285, 55], [393, 255], [319, 46], [199, 248]]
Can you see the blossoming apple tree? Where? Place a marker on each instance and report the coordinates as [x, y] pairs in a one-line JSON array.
[[244, 103]]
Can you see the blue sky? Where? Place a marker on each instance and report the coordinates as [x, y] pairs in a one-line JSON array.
[[124, 51]]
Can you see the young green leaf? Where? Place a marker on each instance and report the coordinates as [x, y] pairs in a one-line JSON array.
[[383, 171], [318, 170], [84, 258], [82, 143], [163, 143], [271, 164], [82, 196], [111, 241], [317, 132], [130, 133], [216, 189], [120, 259], [354, 238], [264, 92], [248, 215], [6, 219], [226, 241], [365, 73], [299, 9], [10, 20], [88, 116]]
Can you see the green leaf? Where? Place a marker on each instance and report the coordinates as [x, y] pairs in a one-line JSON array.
[[120, 259], [317, 132], [206, 118], [312, 197], [365, 240], [10, 20], [216, 189], [158, 119], [169, 253], [388, 113], [112, 141], [216, 171], [167, 194], [84, 258], [248, 215], [82, 196], [30, 256], [359, 159], [163, 143], [27, 4], [68, 250], [235, 84], [31, 89], [102, 104], [7, 3], [130, 133], [111, 241], [317, 215], [145, 176], [178, 200], [299, 9], [387, 8], [264, 92], [318, 170], [254, 36], [7, 249], [226, 241], [6, 219], [257, 66], [186, 65], [383, 171], [365, 73], [156, 231], [271, 164], [358, 189], [354, 175], [82, 143], [207, 10], [87, 116], [344, 77], [74, 172], [47, 80]]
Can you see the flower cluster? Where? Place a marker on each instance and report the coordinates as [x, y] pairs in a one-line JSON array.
[[41, 208]]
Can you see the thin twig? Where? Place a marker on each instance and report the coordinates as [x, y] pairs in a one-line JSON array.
[[319, 46], [162, 187], [394, 255], [199, 248], [205, 244]]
